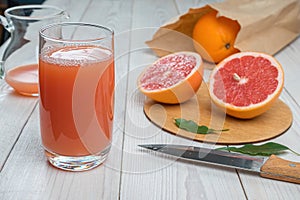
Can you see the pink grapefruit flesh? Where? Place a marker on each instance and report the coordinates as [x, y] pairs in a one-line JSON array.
[[172, 79], [246, 84]]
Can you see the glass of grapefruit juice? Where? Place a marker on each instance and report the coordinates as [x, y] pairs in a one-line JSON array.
[[19, 62], [76, 91]]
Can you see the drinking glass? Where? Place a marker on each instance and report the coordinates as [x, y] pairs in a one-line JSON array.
[[18, 65], [76, 85]]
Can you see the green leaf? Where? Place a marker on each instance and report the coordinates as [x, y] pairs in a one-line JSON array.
[[191, 126], [266, 149]]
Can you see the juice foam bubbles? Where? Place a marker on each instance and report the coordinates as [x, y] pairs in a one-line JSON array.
[[81, 54]]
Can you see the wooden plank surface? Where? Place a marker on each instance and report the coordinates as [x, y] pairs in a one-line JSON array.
[[260, 188], [36, 179], [254, 186], [13, 119], [274, 122], [155, 176], [130, 172]]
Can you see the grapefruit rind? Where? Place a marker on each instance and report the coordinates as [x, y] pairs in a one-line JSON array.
[[214, 36], [252, 110], [181, 91]]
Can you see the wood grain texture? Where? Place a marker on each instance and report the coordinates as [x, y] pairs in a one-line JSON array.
[[27, 174], [150, 176], [184, 5], [254, 186], [201, 110], [131, 173], [260, 188], [280, 169], [13, 118]]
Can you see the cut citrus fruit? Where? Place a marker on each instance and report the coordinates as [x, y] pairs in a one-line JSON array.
[[214, 36], [172, 79], [246, 84]]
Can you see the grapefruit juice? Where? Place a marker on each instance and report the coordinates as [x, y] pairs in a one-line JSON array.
[[24, 79], [76, 100]]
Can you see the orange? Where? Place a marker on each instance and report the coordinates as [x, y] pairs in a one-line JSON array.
[[172, 79], [246, 84], [214, 36]]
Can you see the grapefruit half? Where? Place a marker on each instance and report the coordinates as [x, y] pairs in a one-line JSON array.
[[172, 79], [246, 84]]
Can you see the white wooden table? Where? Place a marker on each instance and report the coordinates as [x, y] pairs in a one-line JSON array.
[[130, 173]]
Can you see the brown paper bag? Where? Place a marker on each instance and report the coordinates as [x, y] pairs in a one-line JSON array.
[[266, 26]]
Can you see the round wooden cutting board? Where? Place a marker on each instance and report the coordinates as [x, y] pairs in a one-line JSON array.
[[201, 110]]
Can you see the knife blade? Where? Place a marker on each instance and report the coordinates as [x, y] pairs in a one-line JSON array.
[[271, 167]]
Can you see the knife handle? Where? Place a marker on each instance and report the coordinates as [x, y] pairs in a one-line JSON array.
[[280, 169]]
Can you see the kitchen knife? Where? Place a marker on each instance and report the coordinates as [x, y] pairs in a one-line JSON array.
[[271, 167]]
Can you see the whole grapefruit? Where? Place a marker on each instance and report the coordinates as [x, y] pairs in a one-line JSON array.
[[214, 36], [246, 84], [172, 79]]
